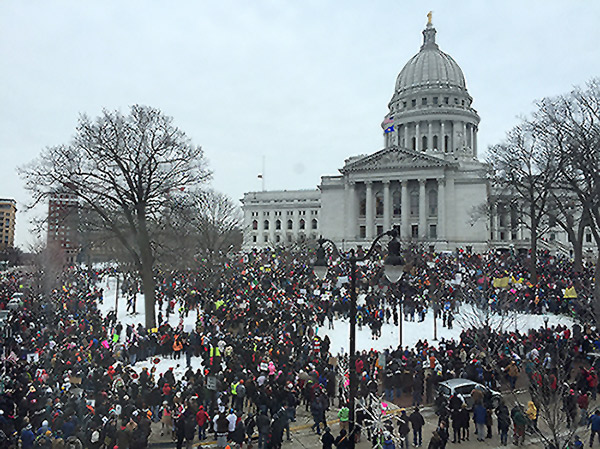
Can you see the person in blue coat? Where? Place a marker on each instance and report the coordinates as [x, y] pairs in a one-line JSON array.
[[479, 416], [27, 437], [595, 425]]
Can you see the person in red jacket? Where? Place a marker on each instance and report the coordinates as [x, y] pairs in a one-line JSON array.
[[201, 420]]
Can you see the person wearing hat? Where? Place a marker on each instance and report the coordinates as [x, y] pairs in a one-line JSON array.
[[344, 416], [327, 439], [417, 422], [403, 428], [436, 441], [388, 442]]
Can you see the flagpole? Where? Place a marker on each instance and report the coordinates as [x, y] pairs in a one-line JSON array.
[[263, 173]]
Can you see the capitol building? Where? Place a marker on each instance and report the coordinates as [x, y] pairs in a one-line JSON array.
[[427, 179]]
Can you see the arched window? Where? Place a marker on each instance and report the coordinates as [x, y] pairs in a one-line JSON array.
[[314, 223], [254, 225], [424, 140], [433, 203], [290, 225], [397, 203], [446, 143], [414, 143], [435, 142], [379, 204], [278, 224], [266, 225], [414, 203], [302, 223]]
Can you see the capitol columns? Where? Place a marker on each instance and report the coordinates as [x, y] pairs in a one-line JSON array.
[[387, 209], [351, 210], [429, 137], [422, 209], [404, 208], [369, 212], [441, 208]]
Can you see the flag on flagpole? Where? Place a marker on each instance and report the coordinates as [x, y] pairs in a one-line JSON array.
[[259, 176], [390, 129], [388, 120]]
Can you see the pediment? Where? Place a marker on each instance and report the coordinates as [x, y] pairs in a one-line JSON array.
[[394, 158]]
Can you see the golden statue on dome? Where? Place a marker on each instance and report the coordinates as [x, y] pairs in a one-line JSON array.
[[429, 15]]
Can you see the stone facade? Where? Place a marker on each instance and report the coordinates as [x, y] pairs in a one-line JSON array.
[[427, 179]]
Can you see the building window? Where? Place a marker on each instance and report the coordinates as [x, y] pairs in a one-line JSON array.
[[314, 223], [254, 239], [254, 225], [424, 140], [362, 204], [278, 224], [424, 101], [446, 100], [588, 238], [362, 232], [433, 231], [502, 235], [397, 203], [433, 203], [414, 144], [414, 103], [435, 100], [277, 238], [302, 224], [266, 225], [414, 203], [513, 236], [379, 204], [290, 225], [404, 104], [379, 229], [435, 142], [414, 231], [266, 238], [446, 143]]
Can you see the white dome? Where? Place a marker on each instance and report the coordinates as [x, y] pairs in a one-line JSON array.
[[430, 68]]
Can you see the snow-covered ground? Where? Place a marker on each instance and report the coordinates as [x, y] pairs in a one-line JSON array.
[[339, 335]]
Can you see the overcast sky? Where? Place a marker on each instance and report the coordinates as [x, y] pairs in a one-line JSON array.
[[303, 83]]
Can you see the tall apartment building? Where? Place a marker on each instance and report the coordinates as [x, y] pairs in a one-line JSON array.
[[8, 212], [63, 225]]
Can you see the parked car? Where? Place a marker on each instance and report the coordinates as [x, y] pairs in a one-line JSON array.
[[463, 388], [16, 301]]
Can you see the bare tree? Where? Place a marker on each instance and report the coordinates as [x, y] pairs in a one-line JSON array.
[[525, 175], [570, 127], [123, 168]]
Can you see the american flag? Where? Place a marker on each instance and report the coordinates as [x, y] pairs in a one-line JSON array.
[[388, 120]]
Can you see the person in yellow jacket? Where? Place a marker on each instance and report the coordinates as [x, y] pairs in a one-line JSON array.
[[532, 413]]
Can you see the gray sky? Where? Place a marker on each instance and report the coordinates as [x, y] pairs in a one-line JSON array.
[[304, 83]]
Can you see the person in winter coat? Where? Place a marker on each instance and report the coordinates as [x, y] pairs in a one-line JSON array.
[[519, 422], [202, 421], [531, 413], [464, 419], [343, 441], [327, 439], [417, 422], [317, 410], [403, 429], [180, 431], [27, 437], [344, 416], [239, 434], [503, 417], [457, 425], [189, 429], [595, 426], [263, 423], [388, 442], [436, 441]]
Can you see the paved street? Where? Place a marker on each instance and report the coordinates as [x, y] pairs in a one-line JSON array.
[[303, 437]]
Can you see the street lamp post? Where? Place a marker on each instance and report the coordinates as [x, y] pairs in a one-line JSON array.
[[393, 268]]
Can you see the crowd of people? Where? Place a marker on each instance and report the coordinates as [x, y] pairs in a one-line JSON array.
[[70, 376]]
